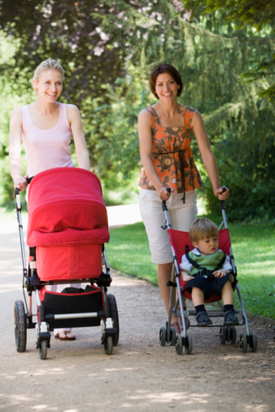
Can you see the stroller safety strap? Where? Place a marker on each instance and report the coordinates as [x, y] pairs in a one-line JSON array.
[[203, 271]]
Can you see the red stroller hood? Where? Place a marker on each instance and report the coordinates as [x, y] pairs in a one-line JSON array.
[[66, 206]]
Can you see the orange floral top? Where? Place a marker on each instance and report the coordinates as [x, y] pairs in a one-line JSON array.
[[172, 155]]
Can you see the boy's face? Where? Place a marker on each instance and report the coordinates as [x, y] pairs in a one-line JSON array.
[[207, 246]]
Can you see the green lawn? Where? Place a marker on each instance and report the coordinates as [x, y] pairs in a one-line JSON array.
[[253, 249]]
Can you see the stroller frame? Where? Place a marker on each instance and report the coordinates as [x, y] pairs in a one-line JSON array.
[[24, 319], [168, 333]]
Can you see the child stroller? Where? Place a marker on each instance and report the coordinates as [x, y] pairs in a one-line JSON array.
[[179, 240], [67, 229]]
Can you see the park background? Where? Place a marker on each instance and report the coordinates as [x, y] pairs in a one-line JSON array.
[[224, 51]]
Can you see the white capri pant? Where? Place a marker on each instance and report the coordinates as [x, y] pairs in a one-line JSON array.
[[181, 215]]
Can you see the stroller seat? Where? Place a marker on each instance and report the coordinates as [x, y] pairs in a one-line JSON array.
[[168, 334], [179, 240]]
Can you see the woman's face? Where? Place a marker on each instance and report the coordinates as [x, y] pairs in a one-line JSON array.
[[166, 88], [49, 85]]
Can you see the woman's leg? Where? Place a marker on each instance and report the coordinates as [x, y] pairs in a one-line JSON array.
[[164, 276], [63, 333]]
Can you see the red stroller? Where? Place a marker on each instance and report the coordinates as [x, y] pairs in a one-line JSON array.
[[67, 229], [179, 240]]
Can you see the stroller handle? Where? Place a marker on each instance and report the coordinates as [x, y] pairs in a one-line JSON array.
[[28, 179], [164, 207], [222, 201]]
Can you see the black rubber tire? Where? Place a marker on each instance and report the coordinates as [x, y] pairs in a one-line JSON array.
[[243, 342], [188, 345], [162, 336], [231, 335], [113, 313], [253, 342], [179, 345], [43, 350], [223, 335], [108, 345], [20, 326], [173, 336]]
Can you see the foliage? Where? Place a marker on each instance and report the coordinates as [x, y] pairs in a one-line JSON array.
[[107, 77], [241, 14], [253, 248]]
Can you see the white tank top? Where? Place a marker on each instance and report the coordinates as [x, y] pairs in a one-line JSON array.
[[46, 149]]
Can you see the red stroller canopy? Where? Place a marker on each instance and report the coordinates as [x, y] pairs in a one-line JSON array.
[[66, 207]]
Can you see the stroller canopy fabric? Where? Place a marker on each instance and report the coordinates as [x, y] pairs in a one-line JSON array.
[[66, 207]]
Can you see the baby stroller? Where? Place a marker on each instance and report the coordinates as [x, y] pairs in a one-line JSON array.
[[67, 229], [179, 240]]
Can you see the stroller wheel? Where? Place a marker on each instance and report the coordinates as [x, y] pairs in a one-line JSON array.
[[108, 345], [20, 326], [253, 342], [43, 350], [179, 345], [243, 342], [188, 345], [231, 334], [173, 336], [162, 336], [113, 313], [223, 335]]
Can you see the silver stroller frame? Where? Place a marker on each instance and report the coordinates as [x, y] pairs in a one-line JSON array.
[[167, 334]]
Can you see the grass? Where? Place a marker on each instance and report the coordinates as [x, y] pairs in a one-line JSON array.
[[253, 248]]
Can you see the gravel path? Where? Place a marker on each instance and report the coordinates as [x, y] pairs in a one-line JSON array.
[[140, 375]]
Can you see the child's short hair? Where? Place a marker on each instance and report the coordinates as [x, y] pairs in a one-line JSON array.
[[202, 228]]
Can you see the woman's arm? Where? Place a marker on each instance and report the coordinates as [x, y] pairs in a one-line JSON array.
[[208, 157], [145, 147], [15, 149], [78, 136]]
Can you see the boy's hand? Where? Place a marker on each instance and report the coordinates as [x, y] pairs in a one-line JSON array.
[[219, 273], [185, 276]]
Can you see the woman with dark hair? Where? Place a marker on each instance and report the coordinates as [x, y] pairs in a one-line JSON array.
[[165, 136]]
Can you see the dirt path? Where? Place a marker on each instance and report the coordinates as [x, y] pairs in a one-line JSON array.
[[140, 375]]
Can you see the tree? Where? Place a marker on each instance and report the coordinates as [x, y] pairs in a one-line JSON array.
[[240, 14], [111, 86]]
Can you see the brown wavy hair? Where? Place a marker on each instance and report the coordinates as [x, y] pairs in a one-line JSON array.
[[164, 68]]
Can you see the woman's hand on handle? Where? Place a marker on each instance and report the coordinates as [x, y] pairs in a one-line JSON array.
[[222, 193], [21, 183], [164, 193]]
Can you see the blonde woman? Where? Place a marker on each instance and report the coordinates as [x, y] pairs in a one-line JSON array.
[[45, 127]]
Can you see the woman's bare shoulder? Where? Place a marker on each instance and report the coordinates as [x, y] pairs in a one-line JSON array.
[[144, 115], [17, 113]]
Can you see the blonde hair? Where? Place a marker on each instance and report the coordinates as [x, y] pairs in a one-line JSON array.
[[49, 64], [202, 228]]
